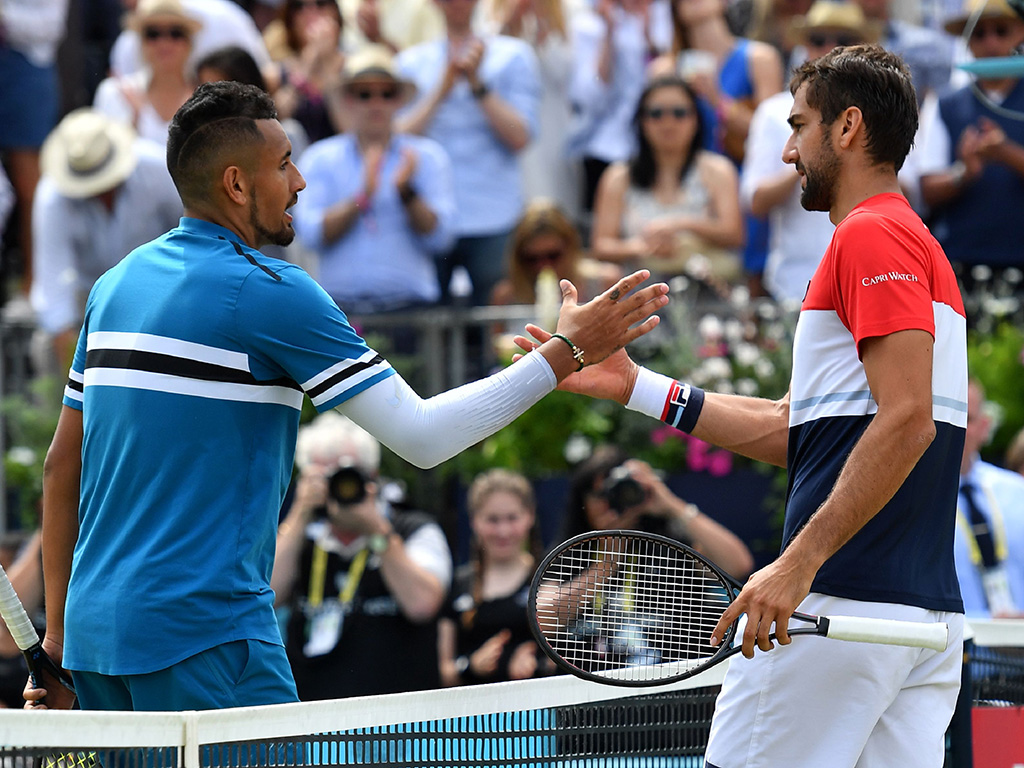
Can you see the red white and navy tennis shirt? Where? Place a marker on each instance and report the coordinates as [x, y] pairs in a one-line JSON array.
[[883, 272]]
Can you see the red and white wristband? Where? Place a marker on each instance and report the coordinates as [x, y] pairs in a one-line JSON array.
[[660, 397]]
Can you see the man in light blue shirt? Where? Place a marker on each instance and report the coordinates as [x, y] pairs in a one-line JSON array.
[[989, 543], [479, 99], [378, 207]]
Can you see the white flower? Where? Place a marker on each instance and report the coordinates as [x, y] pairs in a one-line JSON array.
[[577, 448], [710, 328], [764, 368], [747, 354], [717, 368], [733, 330], [22, 454], [725, 387], [746, 387]]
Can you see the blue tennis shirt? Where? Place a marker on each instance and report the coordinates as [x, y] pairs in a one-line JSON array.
[[190, 372]]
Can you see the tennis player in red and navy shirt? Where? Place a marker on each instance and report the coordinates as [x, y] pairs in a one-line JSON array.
[[871, 432]]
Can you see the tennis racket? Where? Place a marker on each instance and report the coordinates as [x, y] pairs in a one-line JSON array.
[[636, 609], [25, 637]]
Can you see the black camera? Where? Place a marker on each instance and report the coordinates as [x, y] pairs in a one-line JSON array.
[[621, 490], [348, 485]]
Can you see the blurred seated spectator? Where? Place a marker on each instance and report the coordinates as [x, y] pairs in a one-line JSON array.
[[306, 45], [26, 575], [771, 21], [397, 24], [989, 544], [612, 43], [547, 169], [148, 99], [609, 491], [29, 109], [672, 200], [769, 186], [1015, 454], [733, 75], [971, 153], [478, 98], [378, 206], [223, 23], [364, 581], [103, 192], [927, 52], [545, 238], [484, 634]]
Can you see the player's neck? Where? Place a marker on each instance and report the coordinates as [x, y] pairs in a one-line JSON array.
[[860, 186]]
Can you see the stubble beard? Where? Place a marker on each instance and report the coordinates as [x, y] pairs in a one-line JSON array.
[[819, 190], [264, 236]]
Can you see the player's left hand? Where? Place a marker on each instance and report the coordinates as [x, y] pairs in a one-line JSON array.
[[769, 598]]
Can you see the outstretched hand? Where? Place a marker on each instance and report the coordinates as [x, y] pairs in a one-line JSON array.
[[611, 379], [609, 322]]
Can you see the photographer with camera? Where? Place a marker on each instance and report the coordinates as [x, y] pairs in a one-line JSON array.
[[610, 491], [364, 581]]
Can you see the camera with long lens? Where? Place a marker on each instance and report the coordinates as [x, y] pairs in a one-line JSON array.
[[348, 485], [621, 490]]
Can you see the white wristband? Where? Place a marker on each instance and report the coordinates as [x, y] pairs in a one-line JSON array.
[[650, 392]]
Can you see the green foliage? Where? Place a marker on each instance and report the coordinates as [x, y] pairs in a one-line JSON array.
[[30, 420], [995, 359]]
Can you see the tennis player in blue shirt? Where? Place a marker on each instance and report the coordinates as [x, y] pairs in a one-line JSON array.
[[174, 447]]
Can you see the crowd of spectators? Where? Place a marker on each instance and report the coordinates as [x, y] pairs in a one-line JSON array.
[[499, 141], [497, 104]]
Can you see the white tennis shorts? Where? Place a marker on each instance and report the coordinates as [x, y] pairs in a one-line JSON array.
[[821, 702]]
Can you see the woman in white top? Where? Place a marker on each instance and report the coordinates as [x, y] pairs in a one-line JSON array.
[[672, 199], [147, 100]]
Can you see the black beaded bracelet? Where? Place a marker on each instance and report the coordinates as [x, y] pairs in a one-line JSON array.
[[577, 353]]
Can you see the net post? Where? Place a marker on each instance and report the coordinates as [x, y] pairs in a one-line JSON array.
[[190, 740]]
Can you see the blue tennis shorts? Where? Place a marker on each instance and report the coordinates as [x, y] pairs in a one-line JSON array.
[[241, 673], [28, 109]]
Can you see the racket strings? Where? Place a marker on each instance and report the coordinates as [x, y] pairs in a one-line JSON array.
[[631, 608]]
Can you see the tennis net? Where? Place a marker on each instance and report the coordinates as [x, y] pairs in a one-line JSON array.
[[557, 722]]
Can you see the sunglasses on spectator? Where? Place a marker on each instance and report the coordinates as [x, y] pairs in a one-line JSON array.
[[303, 4], [174, 33], [821, 39], [366, 94], [656, 113], [540, 257], [980, 32]]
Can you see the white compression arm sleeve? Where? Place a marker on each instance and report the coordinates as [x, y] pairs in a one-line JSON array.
[[427, 432]]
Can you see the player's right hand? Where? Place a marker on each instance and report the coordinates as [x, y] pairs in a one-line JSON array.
[[51, 693], [611, 379]]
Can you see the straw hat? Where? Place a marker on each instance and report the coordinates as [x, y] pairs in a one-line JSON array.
[[375, 62], [165, 11], [833, 15], [88, 153], [989, 9]]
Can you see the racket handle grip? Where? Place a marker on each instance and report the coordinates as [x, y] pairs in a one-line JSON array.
[[13, 613], [915, 634]]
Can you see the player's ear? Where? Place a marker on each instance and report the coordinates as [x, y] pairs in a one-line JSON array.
[[851, 124], [236, 184]]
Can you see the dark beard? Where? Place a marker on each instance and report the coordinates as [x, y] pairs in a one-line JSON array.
[[264, 236], [819, 192]]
